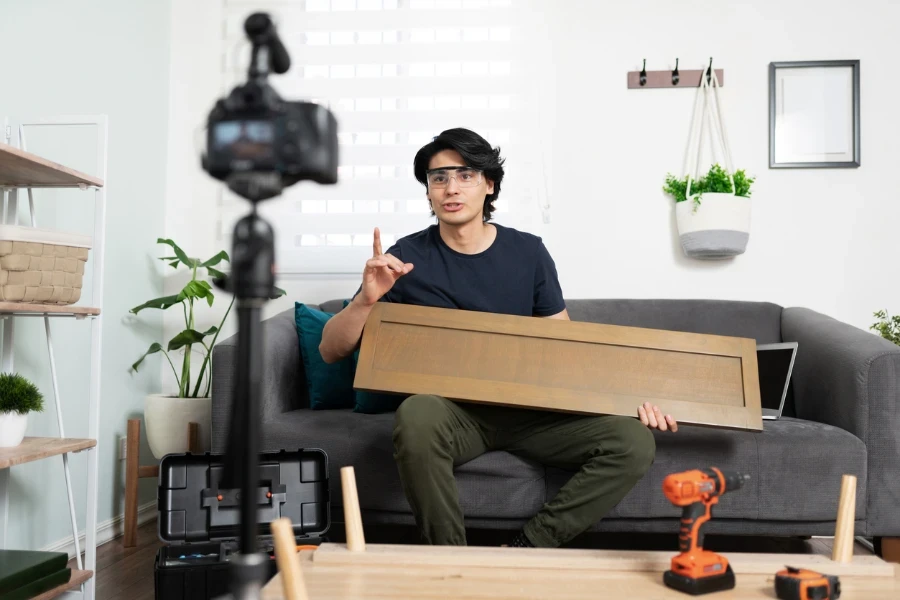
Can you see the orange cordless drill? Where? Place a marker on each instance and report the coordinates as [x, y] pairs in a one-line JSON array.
[[697, 571]]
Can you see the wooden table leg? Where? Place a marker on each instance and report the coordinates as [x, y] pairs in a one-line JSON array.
[[890, 549], [132, 458], [287, 560], [194, 438], [134, 472], [846, 517], [356, 539]]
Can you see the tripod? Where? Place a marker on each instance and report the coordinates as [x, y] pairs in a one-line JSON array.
[[252, 282], [259, 144]]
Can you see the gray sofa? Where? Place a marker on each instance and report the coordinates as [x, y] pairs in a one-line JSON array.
[[843, 417]]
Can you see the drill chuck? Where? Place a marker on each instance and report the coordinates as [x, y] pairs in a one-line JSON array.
[[733, 480]]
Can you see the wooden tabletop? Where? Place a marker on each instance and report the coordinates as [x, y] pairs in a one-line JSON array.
[[336, 582]]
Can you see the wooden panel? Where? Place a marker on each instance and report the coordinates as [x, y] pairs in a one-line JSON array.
[[568, 366], [24, 169], [77, 578], [128, 573], [36, 448], [485, 582], [400, 555]]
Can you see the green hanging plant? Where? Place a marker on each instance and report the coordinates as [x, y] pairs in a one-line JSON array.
[[716, 180], [194, 293]]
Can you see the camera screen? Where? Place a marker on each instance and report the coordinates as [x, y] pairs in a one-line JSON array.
[[245, 139]]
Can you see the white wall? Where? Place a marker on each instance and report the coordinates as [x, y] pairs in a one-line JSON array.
[[100, 57], [820, 238]]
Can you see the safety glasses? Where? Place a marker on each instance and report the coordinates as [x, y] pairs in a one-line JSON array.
[[465, 177]]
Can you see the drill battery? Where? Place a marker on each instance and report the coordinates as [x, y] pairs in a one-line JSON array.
[[803, 584]]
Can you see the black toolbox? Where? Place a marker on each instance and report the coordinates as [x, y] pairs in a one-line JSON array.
[[199, 521]]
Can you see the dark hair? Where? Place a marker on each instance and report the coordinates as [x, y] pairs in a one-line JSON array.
[[476, 152]]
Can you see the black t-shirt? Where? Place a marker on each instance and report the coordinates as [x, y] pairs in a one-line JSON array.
[[515, 275]]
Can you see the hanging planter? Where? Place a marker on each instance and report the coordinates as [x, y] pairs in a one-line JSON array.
[[713, 210]]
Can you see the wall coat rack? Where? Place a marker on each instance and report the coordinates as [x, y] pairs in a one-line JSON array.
[[669, 79]]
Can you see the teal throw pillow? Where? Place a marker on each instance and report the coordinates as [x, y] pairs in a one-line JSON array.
[[330, 386]]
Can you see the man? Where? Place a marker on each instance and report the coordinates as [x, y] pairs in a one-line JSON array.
[[465, 262]]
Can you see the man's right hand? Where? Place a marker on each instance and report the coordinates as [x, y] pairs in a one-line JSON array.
[[380, 274]]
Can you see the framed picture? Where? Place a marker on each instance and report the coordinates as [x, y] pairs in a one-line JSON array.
[[814, 114]]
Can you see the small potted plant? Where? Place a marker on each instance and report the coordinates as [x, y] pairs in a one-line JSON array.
[[713, 212], [887, 326], [166, 416], [18, 397]]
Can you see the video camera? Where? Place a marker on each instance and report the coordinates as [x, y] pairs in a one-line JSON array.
[[259, 144]]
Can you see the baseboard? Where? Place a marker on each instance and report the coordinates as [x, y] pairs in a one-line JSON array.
[[106, 531]]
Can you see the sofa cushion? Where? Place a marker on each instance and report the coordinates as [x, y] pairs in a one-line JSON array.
[[795, 468], [496, 483], [795, 471]]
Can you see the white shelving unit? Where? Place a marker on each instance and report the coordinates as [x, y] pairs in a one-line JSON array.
[[22, 172]]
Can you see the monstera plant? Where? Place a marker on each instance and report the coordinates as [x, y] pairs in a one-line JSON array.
[[167, 415]]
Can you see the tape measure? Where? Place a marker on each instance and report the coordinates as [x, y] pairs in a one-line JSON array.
[[803, 584]]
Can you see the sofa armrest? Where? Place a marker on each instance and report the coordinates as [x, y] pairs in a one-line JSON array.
[[850, 378], [283, 380]]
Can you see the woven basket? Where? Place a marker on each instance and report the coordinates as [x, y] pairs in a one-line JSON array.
[[41, 266]]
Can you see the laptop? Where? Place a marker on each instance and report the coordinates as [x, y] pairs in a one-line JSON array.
[[775, 363]]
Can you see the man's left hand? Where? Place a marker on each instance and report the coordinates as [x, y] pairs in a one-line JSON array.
[[653, 418]]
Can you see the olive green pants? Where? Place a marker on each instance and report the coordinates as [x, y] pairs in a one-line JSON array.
[[432, 435]]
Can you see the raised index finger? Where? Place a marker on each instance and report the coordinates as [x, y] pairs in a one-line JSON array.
[[376, 244]]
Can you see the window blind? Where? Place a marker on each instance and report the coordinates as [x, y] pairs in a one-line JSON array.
[[395, 73]]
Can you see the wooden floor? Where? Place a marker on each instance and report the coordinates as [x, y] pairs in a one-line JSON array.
[[128, 573]]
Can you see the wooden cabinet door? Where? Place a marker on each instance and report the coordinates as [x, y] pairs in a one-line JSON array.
[[570, 366]]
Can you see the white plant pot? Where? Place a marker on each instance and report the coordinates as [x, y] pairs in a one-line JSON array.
[[12, 429], [166, 419], [718, 228]]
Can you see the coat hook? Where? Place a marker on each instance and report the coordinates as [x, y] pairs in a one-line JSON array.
[[709, 72], [675, 75], [644, 73]]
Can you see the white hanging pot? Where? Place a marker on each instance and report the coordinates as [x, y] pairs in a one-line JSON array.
[[719, 225], [12, 428], [166, 419], [718, 228]]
